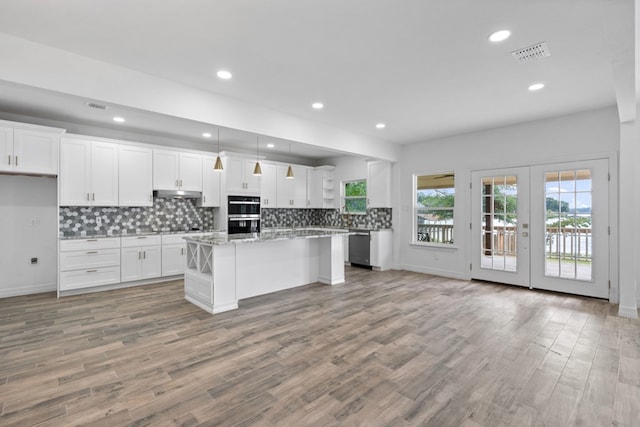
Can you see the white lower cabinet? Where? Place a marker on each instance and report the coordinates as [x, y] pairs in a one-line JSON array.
[[86, 263], [174, 250], [140, 258], [381, 249]]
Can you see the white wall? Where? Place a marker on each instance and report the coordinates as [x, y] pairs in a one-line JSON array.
[[593, 134], [28, 228], [348, 168]]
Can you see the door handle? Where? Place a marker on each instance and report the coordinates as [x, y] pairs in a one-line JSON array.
[[16, 160], [9, 158]]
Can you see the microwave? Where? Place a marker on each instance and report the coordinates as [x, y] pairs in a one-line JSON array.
[[243, 215]]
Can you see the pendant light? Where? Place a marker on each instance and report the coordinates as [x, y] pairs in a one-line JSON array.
[[257, 170], [290, 169], [218, 165]]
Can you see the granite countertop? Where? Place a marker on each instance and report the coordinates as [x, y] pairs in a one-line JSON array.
[[268, 236], [100, 235]]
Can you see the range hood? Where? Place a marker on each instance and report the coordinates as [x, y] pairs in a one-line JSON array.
[[177, 194]]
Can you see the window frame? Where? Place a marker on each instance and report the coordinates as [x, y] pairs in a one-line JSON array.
[[345, 197], [416, 208]]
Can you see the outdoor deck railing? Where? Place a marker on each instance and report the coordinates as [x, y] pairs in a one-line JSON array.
[[560, 242]]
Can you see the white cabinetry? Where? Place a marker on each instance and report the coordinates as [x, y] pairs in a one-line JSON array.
[[210, 183], [88, 172], [239, 176], [320, 187], [29, 150], [140, 258], [378, 184], [89, 262], [135, 171], [292, 192], [381, 249], [174, 249], [175, 170], [269, 191]]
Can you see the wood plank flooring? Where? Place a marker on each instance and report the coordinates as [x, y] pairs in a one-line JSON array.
[[384, 349]]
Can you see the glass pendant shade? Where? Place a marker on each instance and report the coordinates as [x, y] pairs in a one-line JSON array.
[[290, 172]]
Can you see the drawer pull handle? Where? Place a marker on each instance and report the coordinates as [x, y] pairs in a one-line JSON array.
[[92, 240], [92, 252], [142, 237], [92, 271]]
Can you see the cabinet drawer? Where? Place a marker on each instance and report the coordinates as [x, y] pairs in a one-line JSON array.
[[88, 278], [137, 241], [78, 260], [90, 244]]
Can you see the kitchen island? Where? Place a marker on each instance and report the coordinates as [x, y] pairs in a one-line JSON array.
[[223, 269]]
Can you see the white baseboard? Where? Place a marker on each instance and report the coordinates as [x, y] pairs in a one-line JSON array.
[[120, 285], [435, 272], [28, 290], [630, 312]]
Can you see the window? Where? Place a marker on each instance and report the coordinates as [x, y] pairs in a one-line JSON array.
[[433, 212], [355, 197]]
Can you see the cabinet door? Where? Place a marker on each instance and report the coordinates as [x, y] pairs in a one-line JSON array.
[[104, 174], [210, 182], [173, 259], [35, 151], [135, 172], [151, 262], [285, 188], [253, 182], [313, 198], [268, 192], [130, 264], [234, 175], [379, 184], [190, 172], [6, 149], [75, 175], [299, 186], [165, 170]]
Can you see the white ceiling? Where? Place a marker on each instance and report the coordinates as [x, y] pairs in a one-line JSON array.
[[423, 67]]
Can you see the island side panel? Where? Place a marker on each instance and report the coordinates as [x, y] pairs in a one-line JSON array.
[[331, 260], [265, 267], [225, 295]]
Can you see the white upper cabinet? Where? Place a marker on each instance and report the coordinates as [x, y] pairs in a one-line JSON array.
[[175, 170], [29, 150], [320, 187], [239, 177], [88, 172], [135, 171], [269, 185], [210, 183], [378, 184], [292, 192]]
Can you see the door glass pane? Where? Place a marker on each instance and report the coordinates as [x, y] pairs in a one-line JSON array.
[[568, 235], [499, 223]]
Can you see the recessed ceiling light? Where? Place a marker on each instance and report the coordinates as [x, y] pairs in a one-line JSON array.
[[206, 135], [270, 145], [317, 105], [499, 36], [381, 126], [536, 86], [118, 119], [223, 74]]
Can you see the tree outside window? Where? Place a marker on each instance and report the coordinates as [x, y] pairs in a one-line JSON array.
[[434, 207], [355, 197]]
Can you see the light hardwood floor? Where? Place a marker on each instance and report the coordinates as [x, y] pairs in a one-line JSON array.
[[391, 348]]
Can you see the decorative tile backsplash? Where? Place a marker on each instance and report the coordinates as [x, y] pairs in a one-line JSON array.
[[164, 215], [282, 218]]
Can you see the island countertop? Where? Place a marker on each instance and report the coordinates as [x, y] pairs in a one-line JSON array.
[[266, 236]]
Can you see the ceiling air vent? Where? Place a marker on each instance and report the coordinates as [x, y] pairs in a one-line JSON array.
[[531, 53], [97, 106]]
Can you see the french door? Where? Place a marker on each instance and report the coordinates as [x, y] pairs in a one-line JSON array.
[[545, 227]]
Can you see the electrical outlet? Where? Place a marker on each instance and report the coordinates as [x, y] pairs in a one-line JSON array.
[[34, 261]]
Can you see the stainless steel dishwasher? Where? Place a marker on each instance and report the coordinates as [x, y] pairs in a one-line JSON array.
[[360, 248]]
